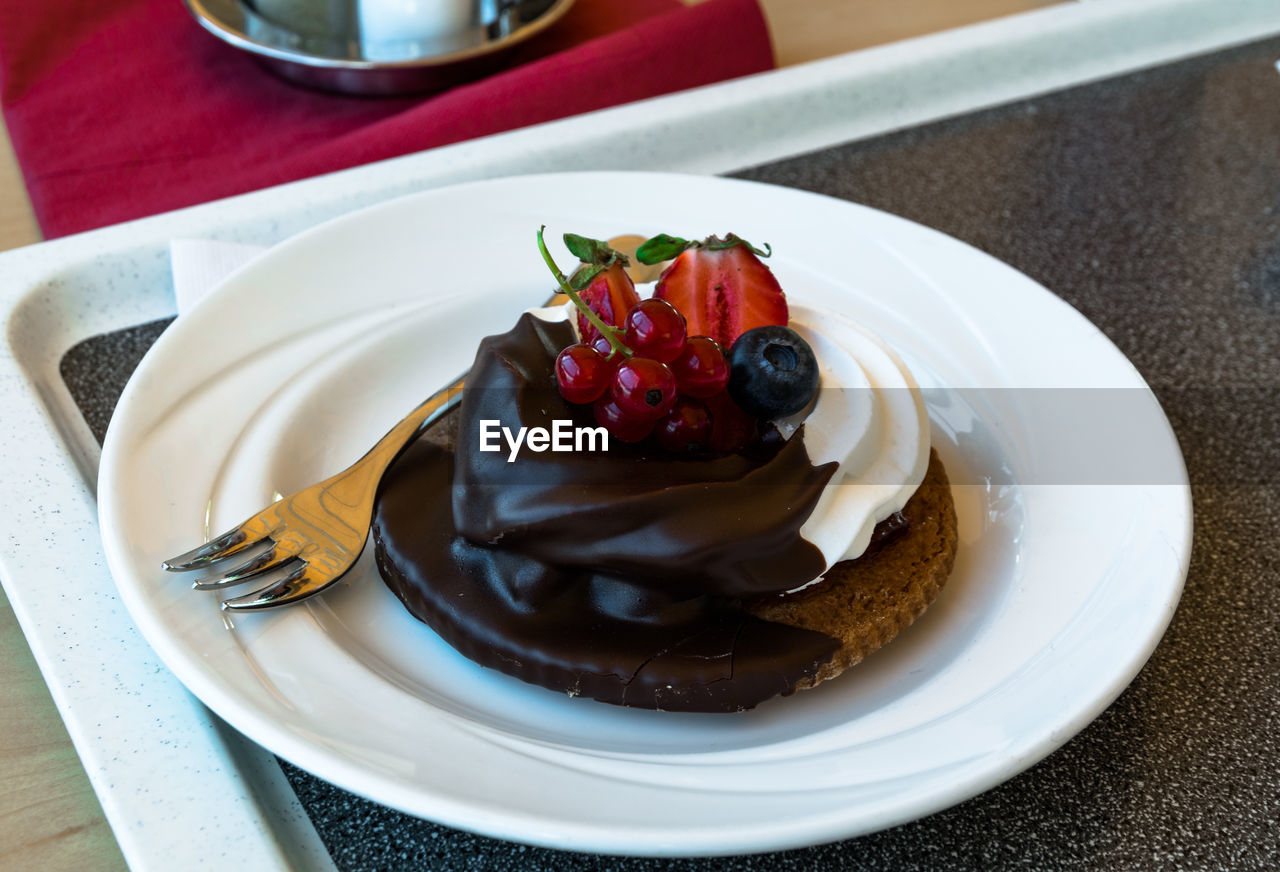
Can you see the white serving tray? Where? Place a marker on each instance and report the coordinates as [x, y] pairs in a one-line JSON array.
[[222, 802]]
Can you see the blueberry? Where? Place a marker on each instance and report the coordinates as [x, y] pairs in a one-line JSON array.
[[772, 372]]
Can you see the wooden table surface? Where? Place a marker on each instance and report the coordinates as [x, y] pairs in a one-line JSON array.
[[49, 816]]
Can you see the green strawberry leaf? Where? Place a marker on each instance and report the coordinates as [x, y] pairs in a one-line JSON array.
[[715, 243], [592, 251], [584, 275], [661, 247]]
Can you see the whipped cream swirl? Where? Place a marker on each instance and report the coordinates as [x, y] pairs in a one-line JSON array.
[[870, 419]]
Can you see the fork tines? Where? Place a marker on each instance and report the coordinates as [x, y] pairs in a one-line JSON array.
[[270, 557]]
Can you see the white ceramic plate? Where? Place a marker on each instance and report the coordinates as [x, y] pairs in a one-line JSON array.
[[1065, 580]]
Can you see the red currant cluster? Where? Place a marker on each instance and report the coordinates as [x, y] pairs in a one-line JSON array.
[[655, 380]]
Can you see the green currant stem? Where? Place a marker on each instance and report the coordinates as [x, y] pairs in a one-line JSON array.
[[609, 332]]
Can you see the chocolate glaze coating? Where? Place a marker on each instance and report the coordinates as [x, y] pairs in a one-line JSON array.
[[726, 524]]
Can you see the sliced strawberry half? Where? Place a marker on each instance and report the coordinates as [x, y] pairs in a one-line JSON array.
[[720, 286], [610, 295], [602, 282]]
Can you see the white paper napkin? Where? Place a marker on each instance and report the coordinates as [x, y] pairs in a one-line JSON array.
[[199, 264]]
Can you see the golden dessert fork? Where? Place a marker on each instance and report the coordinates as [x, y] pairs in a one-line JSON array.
[[313, 536]]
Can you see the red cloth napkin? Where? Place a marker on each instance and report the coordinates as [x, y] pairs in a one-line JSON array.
[[124, 108]]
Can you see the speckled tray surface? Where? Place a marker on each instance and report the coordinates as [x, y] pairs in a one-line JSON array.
[[1151, 203]]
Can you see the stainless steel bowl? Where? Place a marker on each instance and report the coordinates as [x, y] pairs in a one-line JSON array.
[[328, 51]]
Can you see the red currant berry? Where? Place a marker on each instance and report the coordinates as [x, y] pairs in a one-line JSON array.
[[701, 369], [643, 388], [686, 428], [606, 350], [621, 426], [582, 374], [654, 328]]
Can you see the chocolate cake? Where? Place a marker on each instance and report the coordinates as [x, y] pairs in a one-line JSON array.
[[634, 578]]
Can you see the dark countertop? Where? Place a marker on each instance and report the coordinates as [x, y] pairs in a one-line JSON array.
[[1151, 203]]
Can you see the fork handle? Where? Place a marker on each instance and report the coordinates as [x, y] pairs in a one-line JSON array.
[[355, 483]]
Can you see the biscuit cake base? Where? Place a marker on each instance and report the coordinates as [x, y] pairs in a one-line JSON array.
[[866, 602]]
